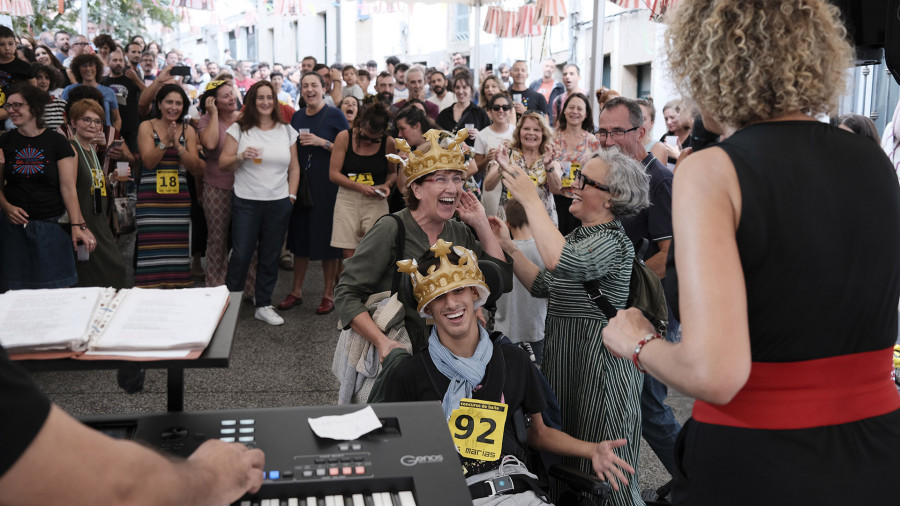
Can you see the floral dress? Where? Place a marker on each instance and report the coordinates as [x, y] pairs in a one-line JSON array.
[[538, 175]]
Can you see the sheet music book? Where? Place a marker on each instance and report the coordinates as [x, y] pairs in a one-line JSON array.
[[98, 323]]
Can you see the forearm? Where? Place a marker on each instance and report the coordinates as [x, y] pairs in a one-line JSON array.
[[229, 163], [523, 268], [492, 178], [209, 136], [364, 325], [489, 242], [657, 263], [550, 242], [70, 200], [293, 179]]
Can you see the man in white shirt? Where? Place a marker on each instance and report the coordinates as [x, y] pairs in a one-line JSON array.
[[400, 91]]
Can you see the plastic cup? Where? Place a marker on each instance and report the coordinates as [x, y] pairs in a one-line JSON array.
[[672, 140], [470, 126], [517, 98], [83, 254], [121, 171], [259, 154], [303, 131]]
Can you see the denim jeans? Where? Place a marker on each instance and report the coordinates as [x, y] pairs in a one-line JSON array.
[[258, 224], [658, 424]]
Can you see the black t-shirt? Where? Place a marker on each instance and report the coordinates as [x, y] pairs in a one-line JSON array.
[[510, 378], [31, 173], [473, 114], [532, 100], [359, 168], [655, 222], [13, 72], [127, 95], [23, 410]]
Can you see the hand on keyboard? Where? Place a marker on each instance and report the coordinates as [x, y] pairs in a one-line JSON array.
[[231, 468]]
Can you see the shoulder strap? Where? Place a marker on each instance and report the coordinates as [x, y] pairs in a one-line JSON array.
[[398, 251], [592, 287]]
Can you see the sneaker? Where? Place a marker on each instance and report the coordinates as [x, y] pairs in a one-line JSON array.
[[268, 315]]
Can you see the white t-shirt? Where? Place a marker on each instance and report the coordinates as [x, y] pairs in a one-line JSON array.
[[267, 180], [519, 315], [449, 99], [487, 140]]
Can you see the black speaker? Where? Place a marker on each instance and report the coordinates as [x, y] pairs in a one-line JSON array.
[[892, 39], [866, 23]]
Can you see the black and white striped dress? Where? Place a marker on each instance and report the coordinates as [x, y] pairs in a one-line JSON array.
[[599, 395]]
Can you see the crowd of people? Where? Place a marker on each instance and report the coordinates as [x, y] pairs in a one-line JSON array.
[[259, 167]]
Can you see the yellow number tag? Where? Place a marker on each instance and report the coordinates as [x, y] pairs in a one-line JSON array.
[[167, 181], [364, 178], [102, 182], [569, 173], [477, 428]]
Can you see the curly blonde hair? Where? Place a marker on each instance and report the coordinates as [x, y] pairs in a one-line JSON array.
[[755, 60]]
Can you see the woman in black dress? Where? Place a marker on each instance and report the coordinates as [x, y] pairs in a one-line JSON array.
[[787, 299], [464, 113]]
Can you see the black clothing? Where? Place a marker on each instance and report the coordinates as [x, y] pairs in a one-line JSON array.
[[23, 410], [127, 94], [31, 174], [14, 72], [686, 144], [821, 282], [358, 166], [472, 114], [510, 378], [655, 222], [532, 100]]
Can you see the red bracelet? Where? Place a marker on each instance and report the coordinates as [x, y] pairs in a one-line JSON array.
[[640, 346]]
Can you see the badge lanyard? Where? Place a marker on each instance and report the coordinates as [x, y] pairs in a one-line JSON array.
[[98, 183]]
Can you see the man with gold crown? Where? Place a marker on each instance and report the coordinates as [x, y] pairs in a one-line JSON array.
[[432, 180], [481, 383]]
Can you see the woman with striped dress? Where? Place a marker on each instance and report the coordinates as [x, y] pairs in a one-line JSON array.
[[599, 395], [168, 148]]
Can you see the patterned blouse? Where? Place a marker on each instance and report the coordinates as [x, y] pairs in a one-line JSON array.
[[573, 158], [538, 175]]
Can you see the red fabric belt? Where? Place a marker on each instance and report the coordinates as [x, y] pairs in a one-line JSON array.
[[812, 393]]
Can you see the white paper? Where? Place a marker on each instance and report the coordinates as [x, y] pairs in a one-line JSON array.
[[160, 354], [50, 319], [346, 427], [150, 319]]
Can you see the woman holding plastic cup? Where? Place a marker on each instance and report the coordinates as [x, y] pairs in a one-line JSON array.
[[259, 149], [104, 266], [463, 114]]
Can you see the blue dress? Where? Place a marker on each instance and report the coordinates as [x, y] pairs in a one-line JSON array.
[[309, 234]]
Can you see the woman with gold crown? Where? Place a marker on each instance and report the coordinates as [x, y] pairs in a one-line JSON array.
[[434, 177]]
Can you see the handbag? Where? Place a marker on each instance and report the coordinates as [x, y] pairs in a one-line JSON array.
[[121, 216]]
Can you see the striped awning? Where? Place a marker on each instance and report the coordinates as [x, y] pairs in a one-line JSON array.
[[658, 8], [203, 5], [16, 8], [528, 26], [493, 20], [550, 12]]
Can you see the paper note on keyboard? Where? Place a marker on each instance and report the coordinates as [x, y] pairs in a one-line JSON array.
[[346, 427]]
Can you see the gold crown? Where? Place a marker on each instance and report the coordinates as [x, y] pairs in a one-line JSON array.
[[432, 157], [447, 278]]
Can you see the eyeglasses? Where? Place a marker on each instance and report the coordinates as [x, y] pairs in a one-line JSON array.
[[616, 134], [497, 108], [91, 121], [13, 106], [581, 180], [445, 180], [373, 140]]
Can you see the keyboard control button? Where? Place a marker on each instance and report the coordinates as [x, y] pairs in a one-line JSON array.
[[246, 430], [333, 471], [274, 475], [227, 439], [245, 439], [356, 447], [227, 431], [249, 421], [228, 422], [344, 447], [320, 471], [360, 470], [307, 473], [346, 471]]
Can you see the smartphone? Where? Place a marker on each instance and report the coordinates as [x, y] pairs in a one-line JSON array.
[[180, 70], [116, 144], [381, 193], [489, 67]]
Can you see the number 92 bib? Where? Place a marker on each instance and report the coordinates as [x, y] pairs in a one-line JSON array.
[[477, 428]]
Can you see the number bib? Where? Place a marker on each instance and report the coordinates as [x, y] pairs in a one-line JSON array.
[[477, 428], [101, 183], [364, 178], [569, 173], [167, 181]]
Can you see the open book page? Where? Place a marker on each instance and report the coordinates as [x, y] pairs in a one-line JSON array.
[[151, 319], [51, 319]]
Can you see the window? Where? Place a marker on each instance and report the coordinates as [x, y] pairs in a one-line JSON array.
[[643, 80], [461, 21], [607, 70]]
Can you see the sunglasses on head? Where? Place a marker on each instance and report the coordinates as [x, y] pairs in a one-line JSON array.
[[497, 108]]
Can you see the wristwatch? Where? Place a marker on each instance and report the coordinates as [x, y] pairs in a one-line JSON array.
[[327, 145], [161, 145]]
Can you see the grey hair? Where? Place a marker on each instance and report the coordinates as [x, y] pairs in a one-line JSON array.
[[629, 183], [635, 115]]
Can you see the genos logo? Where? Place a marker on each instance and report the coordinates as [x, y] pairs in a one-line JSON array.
[[411, 460]]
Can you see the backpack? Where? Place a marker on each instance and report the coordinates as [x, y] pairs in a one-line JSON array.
[[645, 292]]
